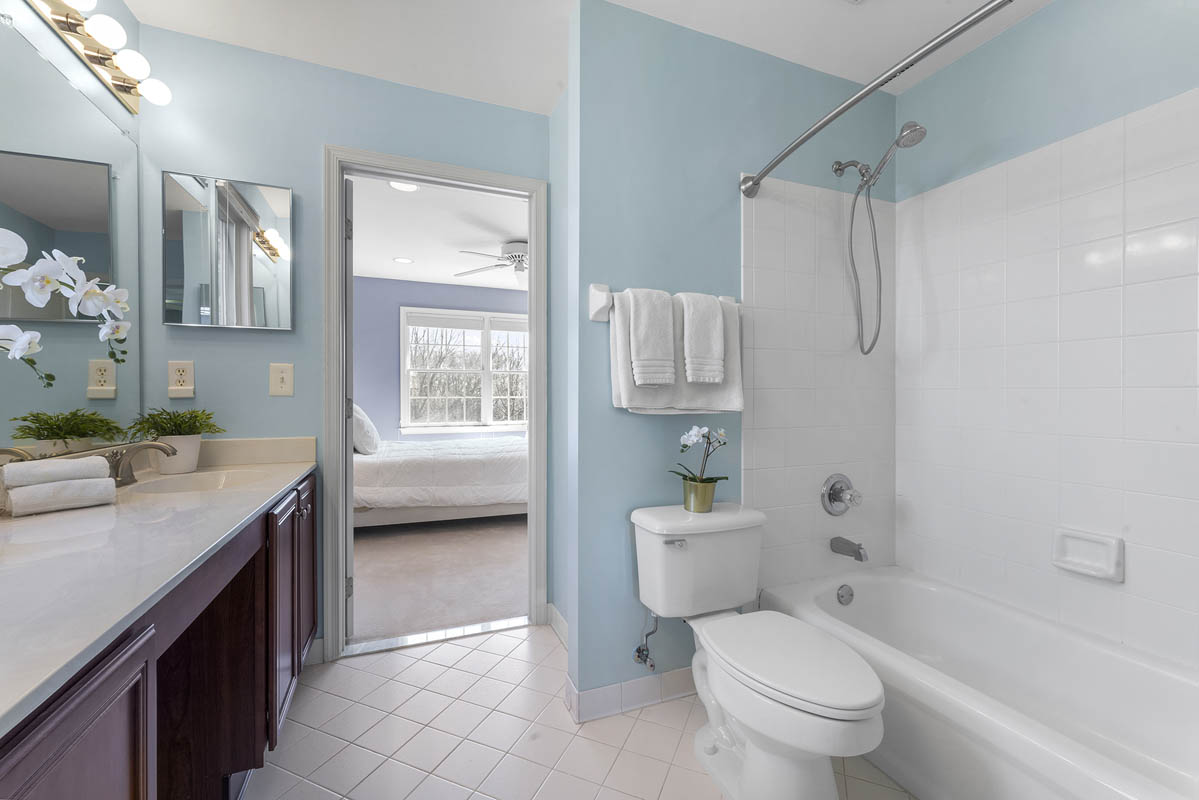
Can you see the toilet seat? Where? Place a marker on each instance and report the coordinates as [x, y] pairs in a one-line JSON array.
[[794, 663]]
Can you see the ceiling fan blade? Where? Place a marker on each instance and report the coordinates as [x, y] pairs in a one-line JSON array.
[[477, 253], [479, 269]]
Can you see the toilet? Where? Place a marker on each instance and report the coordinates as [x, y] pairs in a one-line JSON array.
[[782, 696]]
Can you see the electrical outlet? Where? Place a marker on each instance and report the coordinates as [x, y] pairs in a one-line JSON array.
[[282, 380], [101, 379], [181, 379]]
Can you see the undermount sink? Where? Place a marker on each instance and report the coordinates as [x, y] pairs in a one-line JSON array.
[[213, 481]]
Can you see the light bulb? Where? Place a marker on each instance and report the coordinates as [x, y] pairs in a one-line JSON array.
[[401, 186], [284, 251], [133, 64], [82, 6], [155, 91], [402, 260], [273, 236], [106, 30]]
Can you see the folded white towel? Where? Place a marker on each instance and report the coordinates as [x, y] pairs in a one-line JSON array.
[[683, 397], [703, 338], [60, 495], [651, 337], [49, 470]]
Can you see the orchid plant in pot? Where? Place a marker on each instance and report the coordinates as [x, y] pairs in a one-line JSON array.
[[58, 272], [698, 488]]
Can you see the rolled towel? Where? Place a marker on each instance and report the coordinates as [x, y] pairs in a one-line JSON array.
[[703, 338], [651, 337], [50, 470], [61, 495]]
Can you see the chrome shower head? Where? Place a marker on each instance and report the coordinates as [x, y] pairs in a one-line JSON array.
[[911, 134]]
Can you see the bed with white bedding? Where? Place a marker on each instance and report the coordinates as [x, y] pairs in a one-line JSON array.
[[418, 480]]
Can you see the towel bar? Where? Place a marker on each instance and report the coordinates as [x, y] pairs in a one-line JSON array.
[[599, 302]]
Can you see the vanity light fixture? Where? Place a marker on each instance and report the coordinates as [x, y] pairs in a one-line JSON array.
[[402, 260], [266, 245], [401, 186], [99, 41]]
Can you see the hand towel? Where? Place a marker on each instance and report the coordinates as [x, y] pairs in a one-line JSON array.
[[703, 338], [651, 337], [49, 470], [682, 397], [60, 495]]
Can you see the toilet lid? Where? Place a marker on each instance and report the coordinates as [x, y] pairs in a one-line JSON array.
[[795, 663]]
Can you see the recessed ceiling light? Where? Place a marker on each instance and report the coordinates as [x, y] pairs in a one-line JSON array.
[[402, 260], [400, 186]]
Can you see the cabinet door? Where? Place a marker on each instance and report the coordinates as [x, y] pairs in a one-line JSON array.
[[306, 567], [97, 741], [282, 663]]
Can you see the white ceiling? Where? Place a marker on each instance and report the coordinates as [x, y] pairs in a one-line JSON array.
[[63, 195], [430, 226], [513, 53]]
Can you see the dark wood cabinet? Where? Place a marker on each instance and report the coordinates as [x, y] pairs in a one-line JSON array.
[[306, 566], [184, 703], [283, 528], [95, 740]]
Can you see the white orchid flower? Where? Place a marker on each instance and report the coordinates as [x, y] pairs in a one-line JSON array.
[[117, 300], [12, 248], [38, 282], [87, 299], [72, 274], [19, 343], [112, 329]]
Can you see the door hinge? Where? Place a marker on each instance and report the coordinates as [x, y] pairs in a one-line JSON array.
[[350, 586], [349, 228], [349, 408]]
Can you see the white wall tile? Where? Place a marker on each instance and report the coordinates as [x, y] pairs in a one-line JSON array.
[[1163, 135], [1091, 315], [1092, 265], [1162, 306], [1034, 179], [1165, 252], [1092, 216], [1163, 198], [1093, 159]]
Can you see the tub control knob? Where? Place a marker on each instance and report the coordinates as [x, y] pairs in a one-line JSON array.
[[838, 495]]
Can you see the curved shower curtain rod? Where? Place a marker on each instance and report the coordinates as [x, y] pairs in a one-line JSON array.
[[751, 183]]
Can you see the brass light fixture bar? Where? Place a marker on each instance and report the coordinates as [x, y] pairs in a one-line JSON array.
[[264, 243], [68, 24]]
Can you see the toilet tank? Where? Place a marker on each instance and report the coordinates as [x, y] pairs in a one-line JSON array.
[[689, 564]]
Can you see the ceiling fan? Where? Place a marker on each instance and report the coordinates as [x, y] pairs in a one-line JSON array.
[[513, 253]]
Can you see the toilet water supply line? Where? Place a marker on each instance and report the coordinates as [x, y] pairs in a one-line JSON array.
[[641, 654]]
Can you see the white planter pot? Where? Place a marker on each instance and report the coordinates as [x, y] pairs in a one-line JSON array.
[[188, 453]]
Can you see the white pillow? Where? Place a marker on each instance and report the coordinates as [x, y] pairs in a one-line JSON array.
[[366, 435]]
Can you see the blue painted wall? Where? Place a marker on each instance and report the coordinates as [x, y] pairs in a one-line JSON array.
[[1071, 66], [668, 119], [211, 130], [377, 304]]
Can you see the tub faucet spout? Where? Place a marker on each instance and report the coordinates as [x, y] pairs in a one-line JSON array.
[[844, 547]]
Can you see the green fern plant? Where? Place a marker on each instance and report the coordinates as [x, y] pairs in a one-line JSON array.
[[159, 422], [78, 424]]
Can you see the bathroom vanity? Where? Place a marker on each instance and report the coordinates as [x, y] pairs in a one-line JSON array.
[[151, 648]]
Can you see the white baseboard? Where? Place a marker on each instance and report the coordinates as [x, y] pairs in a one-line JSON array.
[[559, 624], [616, 698]]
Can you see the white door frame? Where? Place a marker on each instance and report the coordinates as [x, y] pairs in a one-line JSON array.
[[335, 458]]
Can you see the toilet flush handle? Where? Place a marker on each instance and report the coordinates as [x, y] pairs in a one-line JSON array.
[[678, 544]]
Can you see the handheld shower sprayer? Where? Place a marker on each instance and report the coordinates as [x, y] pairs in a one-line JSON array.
[[910, 135]]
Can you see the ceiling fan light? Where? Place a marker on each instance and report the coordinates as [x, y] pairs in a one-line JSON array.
[[107, 31], [403, 186], [132, 63], [155, 91]]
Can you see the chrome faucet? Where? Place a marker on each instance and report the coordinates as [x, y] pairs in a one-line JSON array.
[[17, 453], [844, 547], [120, 458]]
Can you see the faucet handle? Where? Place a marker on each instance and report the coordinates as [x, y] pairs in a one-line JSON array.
[[851, 496], [838, 495]]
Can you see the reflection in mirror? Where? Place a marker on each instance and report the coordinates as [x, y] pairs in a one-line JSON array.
[[55, 204], [226, 253]]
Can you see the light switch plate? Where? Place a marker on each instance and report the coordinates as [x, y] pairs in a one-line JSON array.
[[282, 380], [181, 379], [101, 379]]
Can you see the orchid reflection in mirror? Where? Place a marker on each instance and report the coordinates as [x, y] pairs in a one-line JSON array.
[[39, 281]]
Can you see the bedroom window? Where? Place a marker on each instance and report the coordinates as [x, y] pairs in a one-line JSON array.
[[463, 369]]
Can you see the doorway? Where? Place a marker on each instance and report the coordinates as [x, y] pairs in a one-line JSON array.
[[435, 458]]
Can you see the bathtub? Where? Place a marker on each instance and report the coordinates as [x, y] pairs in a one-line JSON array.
[[987, 702]]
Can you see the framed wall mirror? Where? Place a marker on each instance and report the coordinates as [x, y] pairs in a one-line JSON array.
[[226, 253], [56, 204]]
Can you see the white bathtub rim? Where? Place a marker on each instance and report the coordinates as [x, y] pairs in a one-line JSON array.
[[1035, 746]]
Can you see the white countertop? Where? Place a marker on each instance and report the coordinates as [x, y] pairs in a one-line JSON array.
[[72, 581]]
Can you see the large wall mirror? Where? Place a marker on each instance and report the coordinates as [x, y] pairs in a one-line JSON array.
[[68, 181], [226, 253]]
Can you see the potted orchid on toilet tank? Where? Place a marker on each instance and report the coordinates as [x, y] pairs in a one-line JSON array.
[[699, 490]]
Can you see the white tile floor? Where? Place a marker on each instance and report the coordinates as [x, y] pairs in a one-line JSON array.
[[482, 718]]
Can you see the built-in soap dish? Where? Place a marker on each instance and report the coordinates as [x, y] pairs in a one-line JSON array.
[[1094, 554]]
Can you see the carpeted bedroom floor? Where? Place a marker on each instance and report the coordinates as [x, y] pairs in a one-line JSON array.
[[434, 575]]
